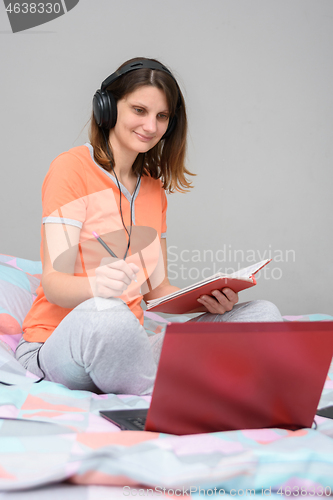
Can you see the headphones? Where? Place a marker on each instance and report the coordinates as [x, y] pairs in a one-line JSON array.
[[105, 104]]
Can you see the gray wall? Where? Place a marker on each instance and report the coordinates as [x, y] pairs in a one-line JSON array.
[[258, 78]]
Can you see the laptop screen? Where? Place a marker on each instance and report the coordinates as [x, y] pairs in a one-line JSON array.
[[229, 376]]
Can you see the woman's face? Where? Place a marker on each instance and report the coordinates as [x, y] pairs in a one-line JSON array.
[[142, 120]]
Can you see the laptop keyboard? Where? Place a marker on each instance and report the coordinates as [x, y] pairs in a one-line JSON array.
[[138, 422]]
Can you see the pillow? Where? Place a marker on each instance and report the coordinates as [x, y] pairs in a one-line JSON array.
[[19, 280], [33, 267]]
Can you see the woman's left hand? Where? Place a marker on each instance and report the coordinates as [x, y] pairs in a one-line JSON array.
[[220, 302]]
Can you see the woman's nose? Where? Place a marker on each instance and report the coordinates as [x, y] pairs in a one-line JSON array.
[[150, 124]]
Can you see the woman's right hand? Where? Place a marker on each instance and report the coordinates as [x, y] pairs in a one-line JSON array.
[[112, 277], [62, 287]]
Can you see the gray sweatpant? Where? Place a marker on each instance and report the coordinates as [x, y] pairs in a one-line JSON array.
[[100, 346]]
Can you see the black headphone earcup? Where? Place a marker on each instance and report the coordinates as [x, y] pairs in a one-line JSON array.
[[105, 109], [171, 127]]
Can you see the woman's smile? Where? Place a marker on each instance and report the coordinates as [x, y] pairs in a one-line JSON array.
[[144, 138]]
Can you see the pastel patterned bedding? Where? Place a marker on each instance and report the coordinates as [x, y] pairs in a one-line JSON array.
[[50, 434]]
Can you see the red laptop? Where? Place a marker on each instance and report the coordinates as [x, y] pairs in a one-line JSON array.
[[230, 376]]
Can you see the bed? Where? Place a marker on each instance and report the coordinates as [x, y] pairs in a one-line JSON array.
[[53, 442]]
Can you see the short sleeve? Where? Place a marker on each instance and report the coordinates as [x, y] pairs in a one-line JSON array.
[[64, 191]]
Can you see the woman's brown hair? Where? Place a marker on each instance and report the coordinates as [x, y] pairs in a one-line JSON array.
[[166, 160]]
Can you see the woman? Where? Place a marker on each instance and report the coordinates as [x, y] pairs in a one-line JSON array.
[[85, 328]]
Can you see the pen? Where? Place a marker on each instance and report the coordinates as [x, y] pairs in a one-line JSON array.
[[107, 248]]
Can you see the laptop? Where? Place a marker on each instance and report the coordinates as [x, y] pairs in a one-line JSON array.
[[229, 376]]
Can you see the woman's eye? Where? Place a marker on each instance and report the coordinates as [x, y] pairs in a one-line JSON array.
[[163, 116], [139, 111]]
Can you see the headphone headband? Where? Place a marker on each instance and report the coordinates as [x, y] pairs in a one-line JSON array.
[[145, 63]]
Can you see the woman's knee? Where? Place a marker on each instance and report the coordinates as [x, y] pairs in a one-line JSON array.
[[107, 321], [93, 323], [266, 310], [99, 315], [100, 331], [96, 304]]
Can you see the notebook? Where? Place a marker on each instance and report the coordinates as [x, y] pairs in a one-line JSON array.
[[185, 300], [229, 376]]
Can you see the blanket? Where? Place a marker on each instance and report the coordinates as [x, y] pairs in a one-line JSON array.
[[50, 434]]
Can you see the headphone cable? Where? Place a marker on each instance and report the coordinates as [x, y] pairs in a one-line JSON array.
[[120, 192]]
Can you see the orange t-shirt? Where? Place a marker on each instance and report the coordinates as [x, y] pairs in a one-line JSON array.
[[77, 191]]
